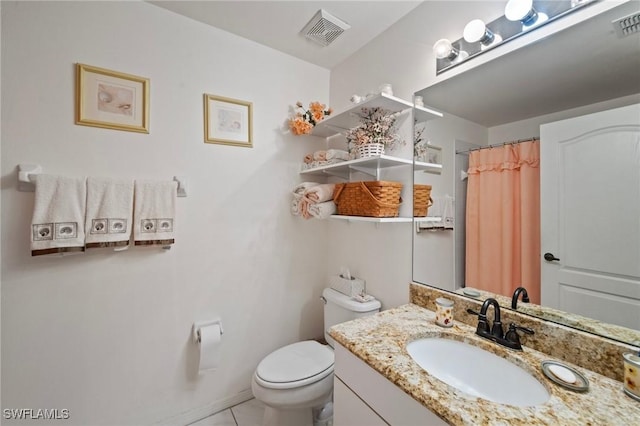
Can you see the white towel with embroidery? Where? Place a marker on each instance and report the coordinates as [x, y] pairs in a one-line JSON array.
[[447, 212], [154, 212], [57, 224], [298, 206], [322, 210], [320, 193], [109, 212], [435, 212]]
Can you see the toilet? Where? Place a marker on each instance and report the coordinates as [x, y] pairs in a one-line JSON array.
[[295, 382]]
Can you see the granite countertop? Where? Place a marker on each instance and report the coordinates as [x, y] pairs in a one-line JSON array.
[[380, 341]]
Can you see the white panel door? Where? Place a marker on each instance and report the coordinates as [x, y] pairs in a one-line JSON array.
[[590, 215]]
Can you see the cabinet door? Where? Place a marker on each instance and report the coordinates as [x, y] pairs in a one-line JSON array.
[[351, 410]]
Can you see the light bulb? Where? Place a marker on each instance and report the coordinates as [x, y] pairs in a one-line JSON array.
[[523, 11], [477, 30], [444, 49], [519, 10]]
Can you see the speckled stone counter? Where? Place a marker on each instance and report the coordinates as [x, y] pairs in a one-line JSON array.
[[595, 353], [380, 341]]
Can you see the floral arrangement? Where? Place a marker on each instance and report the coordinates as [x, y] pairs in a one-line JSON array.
[[303, 122], [377, 125], [419, 143]]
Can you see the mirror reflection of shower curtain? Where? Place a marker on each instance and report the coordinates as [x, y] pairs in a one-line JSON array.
[[503, 219]]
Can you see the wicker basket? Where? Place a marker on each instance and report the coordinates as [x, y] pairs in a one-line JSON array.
[[372, 199], [421, 200]]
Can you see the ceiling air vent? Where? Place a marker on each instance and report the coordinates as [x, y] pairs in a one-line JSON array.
[[324, 28], [627, 25]]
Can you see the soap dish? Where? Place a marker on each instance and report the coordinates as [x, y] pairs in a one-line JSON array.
[[581, 383], [471, 292]]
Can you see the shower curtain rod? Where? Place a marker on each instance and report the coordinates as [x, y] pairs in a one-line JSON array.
[[535, 138]]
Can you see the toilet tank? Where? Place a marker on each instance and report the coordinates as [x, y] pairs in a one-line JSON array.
[[339, 308]]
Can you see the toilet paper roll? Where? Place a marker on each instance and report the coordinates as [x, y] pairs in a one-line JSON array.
[[210, 340]]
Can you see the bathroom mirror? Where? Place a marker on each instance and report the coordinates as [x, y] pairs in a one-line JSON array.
[[576, 71]]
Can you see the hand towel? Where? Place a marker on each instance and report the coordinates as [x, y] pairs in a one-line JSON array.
[[447, 212], [320, 193], [337, 154], [308, 159], [435, 211], [57, 225], [154, 212], [109, 212], [322, 210]]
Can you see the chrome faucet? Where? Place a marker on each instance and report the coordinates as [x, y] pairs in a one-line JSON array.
[[516, 294], [511, 339]]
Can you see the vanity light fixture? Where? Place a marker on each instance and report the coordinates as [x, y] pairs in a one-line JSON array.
[[444, 49], [477, 31], [523, 11], [520, 17]]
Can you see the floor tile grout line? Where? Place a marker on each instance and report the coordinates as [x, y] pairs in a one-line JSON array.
[[234, 414]]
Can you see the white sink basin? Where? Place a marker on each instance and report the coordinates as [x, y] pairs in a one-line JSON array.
[[477, 372]]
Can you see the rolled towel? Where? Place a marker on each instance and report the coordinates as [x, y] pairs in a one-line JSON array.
[[295, 205], [320, 155], [303, 205], [320, 193], [299, 189], [322, 210], [337, 154], [308, 159], [57, 225]]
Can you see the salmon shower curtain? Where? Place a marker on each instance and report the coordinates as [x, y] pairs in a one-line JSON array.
[[503, 219]]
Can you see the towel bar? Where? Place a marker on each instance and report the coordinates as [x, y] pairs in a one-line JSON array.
[[26, 172]]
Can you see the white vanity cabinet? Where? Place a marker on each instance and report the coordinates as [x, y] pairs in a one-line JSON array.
[[363, 397]]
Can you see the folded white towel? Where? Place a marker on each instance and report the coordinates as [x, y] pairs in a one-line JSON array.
[[109, 212], [320, 193], [322, 210], [337, 154], [57, 225], [154, 213]]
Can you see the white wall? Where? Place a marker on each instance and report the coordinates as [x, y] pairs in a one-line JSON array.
[[107, 335]]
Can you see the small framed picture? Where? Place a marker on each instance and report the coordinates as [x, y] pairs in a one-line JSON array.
[[111, 99], [434, 154], [227, 121]]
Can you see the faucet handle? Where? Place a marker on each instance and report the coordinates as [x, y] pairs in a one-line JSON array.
[[512, 338], [514, 327]]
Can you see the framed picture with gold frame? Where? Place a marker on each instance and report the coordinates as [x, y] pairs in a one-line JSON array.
[[111, 99], [228, 121]]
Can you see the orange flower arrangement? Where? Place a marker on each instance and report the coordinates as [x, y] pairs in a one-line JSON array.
[[303, 122]]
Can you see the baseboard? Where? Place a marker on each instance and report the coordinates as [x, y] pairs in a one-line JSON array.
[[199, 413]]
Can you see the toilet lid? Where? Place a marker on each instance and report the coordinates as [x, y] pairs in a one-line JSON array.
[[295, 365]]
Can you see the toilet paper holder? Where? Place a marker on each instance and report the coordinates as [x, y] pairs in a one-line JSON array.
[[199, 324]]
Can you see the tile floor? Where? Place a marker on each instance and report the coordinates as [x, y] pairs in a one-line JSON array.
[[248, 413]]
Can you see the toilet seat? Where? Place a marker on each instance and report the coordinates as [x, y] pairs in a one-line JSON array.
[[295, 365]]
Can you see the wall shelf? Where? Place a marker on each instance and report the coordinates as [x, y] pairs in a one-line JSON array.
[[339, 123], [369, 165], [374, 219], [421, 166], [427, 219], [422, 114]]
